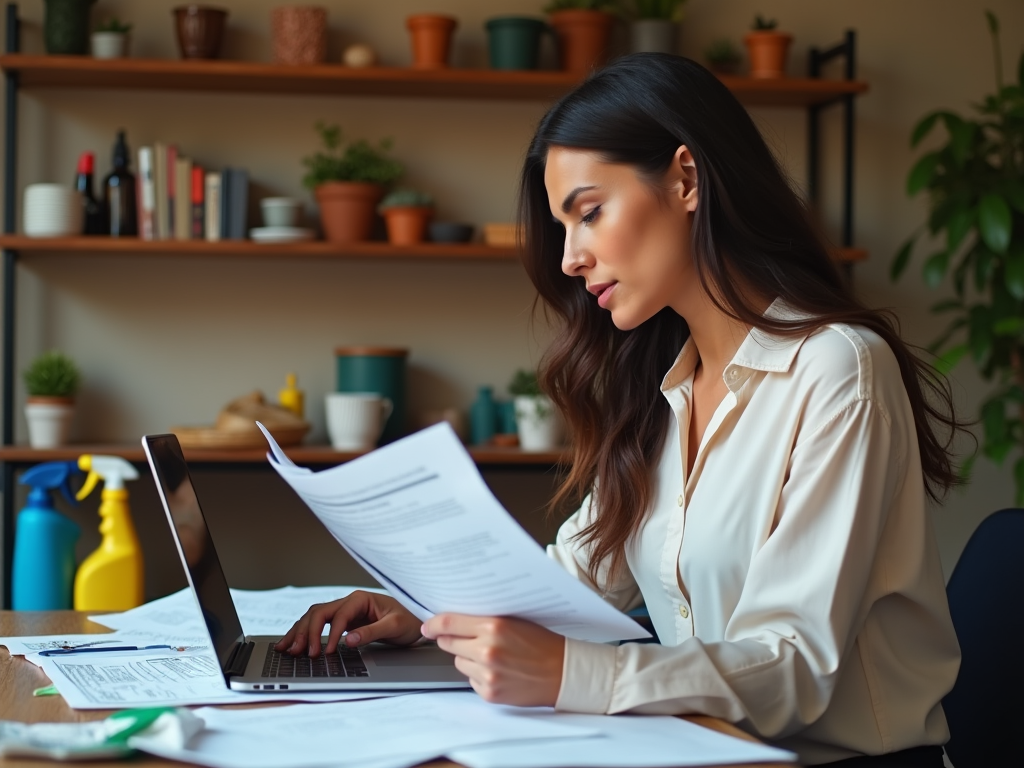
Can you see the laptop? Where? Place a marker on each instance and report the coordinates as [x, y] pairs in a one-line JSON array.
[[251, 663]]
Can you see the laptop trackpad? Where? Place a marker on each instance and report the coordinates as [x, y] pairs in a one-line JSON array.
[[409, 657]]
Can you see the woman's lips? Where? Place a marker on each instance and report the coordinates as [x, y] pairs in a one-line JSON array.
[[603, 292]]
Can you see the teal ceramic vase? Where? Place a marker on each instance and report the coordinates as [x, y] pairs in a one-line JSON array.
[[66, 26], [514, 41]]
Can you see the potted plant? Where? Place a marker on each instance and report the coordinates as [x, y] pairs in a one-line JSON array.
[[583, 29], [767, 49], [348, 181], [723, 56], [975, 185], [653, 24], [406, 213], [51, 380], [539, 425], [110, 39]]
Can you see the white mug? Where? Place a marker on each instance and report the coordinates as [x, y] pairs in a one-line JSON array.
[[355, 420]]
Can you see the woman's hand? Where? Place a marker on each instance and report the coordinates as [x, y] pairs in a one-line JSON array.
[[366, 615], [507, 661]]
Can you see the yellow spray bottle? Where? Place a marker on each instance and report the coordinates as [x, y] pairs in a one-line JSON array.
[[110, 579]]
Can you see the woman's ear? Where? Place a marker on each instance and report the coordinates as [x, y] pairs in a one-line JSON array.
[[684, 172]]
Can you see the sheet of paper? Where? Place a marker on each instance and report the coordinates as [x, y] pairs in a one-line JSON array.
[[121, 680], [394, 732], [626, 741], [418, 511]]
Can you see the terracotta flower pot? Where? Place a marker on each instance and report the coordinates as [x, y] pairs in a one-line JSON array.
[[407, 225], [299, 34], [347, 209], [431, 39], [582, 38], [767, 50]]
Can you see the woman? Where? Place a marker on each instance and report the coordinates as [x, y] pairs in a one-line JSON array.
[[757, 446]]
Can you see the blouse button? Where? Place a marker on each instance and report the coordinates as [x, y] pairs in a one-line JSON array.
[[684, 612], [679, 501]]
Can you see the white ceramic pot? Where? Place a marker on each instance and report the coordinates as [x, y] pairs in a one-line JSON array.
[[652, 35], [539, 425], [52, 210], [109, 45], [49, 421]]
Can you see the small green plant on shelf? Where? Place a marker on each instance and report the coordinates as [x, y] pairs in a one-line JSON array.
[[581, 5], [406, 198], [668, 10], [525, 384], [974, 180], [723, 56], [52, 374], [761, 24], [353, 161], [113, 25]]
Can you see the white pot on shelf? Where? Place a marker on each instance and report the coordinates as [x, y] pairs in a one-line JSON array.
[[652, 35], [109, 45], [49, 421], [539, 424]]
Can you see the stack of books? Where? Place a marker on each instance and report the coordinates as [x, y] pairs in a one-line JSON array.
[[180, 200]]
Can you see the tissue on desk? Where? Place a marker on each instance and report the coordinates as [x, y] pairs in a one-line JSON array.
[[117, 736]]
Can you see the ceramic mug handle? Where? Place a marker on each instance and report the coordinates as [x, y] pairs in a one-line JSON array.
[[388, 407]]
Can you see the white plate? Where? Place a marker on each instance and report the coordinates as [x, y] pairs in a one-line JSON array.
[[280, 234]]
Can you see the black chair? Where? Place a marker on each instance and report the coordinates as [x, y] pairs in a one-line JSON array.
[[985, 709]]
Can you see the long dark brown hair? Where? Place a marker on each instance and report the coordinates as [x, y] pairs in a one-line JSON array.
[[750, 231]]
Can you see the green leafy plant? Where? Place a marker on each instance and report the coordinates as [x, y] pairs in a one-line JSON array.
[[761, 24], [52, 374], [975, 227], [524, 383], [406, 198], [355, 161], [670, 10], [581, 5], [722, 54], [114, 25]]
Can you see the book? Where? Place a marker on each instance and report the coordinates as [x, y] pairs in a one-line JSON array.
[[239, 204], [161, 229], [225, 201], [182, 209], [171, 177], [198, 198], [212, 202], [146, 194]]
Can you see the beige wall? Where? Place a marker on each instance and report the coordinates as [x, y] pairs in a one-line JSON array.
[[168, 341]]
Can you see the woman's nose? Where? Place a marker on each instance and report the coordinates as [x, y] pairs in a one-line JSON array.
[[573, 257]]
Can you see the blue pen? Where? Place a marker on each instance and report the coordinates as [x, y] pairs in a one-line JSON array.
[[69, 651]]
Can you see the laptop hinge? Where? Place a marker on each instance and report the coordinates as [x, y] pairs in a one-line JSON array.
[[239, 660]]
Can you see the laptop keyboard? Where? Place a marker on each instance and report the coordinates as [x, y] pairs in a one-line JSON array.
[[345, 662]]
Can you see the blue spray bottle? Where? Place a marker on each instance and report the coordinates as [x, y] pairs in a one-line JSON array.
[[44, 542]]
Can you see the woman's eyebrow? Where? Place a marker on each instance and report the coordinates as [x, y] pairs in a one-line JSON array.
[[571, 197]]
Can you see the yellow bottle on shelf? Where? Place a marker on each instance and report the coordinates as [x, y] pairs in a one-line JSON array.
[[111, 578], [291, 397]]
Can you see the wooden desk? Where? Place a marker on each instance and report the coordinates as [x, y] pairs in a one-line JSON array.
[[18, 678]]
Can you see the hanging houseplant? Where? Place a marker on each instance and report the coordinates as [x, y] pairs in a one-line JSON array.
[[975, 185]]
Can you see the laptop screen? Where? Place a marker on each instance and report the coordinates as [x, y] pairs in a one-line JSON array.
[[195, 546]]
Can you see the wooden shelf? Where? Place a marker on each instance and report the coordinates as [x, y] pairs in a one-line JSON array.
[[38, 71], [131, 246], [315, 455]]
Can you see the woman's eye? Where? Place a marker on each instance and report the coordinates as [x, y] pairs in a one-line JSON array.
[[589, 218]]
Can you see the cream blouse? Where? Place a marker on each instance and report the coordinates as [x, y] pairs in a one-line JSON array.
[[793, 578]]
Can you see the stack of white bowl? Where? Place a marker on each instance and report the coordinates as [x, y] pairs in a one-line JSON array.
[[52, 210]]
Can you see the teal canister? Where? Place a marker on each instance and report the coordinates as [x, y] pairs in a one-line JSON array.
[[483, 417], [43, 567], [66, 26], [376, 369], [514, 41]]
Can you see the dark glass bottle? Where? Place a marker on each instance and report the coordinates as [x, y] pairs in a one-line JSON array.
[[92, 221], [120, 209]]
